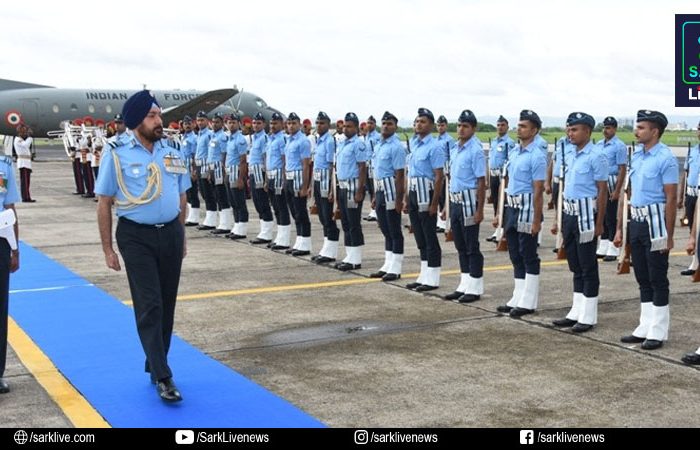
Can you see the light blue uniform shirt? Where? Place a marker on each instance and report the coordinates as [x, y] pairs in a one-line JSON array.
[[543, 145], [616, 152], [526, 165], [692, 165], [217, 146], [498, 151], [426, 156], [203, 138], [274, 151], [556, 156], [236, 146], [649, 172], [134, 160], [189, 145], [447, 143], [351, 152], [583, 169], [257, 150], [389, 156], [297, 149], [467, 165], [123, 138], [372, 140], [324, 156], [8, 190]]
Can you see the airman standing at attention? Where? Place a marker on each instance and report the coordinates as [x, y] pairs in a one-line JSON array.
[[237, 171], [372, 138], [297, 160], [274, 152], [188, 148], [201, 168], [447, 143], [498, 155], [256, 168], [689, 198], [216, 158]]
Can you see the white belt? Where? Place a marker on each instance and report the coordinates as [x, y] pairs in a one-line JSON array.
[[692, 191], [495, 172], [515, 201]]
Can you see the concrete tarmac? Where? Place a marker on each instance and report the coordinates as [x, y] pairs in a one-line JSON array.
[[353, 351]]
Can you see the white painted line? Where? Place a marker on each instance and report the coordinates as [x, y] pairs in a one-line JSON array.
[[53, 288]]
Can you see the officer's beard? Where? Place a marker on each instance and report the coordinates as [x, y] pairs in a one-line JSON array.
[[153, 135]]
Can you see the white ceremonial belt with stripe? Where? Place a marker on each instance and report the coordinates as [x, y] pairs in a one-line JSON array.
[[515, 201], [692, 191], [495, 172], [414, 182]]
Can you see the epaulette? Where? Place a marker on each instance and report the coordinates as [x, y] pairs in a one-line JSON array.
[[113, 144]]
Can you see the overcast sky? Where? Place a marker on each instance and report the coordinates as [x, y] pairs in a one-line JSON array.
[[493, 57]]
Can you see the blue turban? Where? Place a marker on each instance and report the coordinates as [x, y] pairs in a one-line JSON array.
[[136, 108]]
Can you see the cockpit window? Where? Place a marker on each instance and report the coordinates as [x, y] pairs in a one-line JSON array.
[[260, 102]]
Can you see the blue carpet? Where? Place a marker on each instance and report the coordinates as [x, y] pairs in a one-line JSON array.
[[91, 338]]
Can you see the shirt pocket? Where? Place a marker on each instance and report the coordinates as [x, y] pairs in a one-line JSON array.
[[650, 181], [582, 176], [135, 179], [523, 175]]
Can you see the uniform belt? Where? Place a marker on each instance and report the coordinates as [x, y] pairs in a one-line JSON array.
[[692, 191], [124, 220], [515, 201], [556, 179], [24, 156], [495, 172]]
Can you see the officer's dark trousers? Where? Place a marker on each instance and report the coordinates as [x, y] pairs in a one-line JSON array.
[[279, 204], [650, 268], [690, 203], [207, 190], [25, 176], [494, 187], [153, 259], [297, 206], [369, 186], [610, 221], [582, 259], [78, 177], [221, 196], [390, 225], [325, 214], [466, 240], [522, 247], [351, 221], [238, 203], [88, 178], [96, 171], [424, 231], [4, 300], [193, 194], [261, 201], [441, 200]]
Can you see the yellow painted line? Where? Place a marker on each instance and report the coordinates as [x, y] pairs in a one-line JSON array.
[[72, 403]]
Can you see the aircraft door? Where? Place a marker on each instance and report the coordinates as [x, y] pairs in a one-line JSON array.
[[30, 113]]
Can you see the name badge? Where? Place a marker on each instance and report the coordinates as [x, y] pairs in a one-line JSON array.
[[3, 183], [173, 164], [212, 143]]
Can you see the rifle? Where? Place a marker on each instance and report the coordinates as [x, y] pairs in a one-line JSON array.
[[561, 252], [500, 234], [696, 275], [313, 209], [623, 264], [550, 204], [408, 149], [684, 219], [336, 211], [488, 173], [448, 227]]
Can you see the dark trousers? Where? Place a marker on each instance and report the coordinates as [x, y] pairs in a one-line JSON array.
[[238, 203], [153, 260], [261, 201], [466, 240], [390, 224], [441, 200], [325, 214], [369, 187], [351, 221], [207, 190], [88, 178], [96, 171], [4, 300], [279, 204], [424, 231], [522, 247], [494, 187], [221, 196], [297, 206], [690, 203], [650, 268], [25, 176], [78, 177], [193, 194], [582, 259], [610, 222]]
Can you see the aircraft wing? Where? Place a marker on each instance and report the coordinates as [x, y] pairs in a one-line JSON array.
[[205, 102]]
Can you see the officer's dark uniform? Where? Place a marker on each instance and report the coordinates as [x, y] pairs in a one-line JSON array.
[[150, 233]]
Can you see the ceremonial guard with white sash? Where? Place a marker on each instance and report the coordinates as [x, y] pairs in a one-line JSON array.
[[447, 143], [216, 158], [201, 170], [297, 161], [654, 181], [584, 203], [425, 178], [188, 148], [372, 140], [467, 193], [257, 173], [237, 176], [525, 187], [498, 155], [389, 166], [274, 162]]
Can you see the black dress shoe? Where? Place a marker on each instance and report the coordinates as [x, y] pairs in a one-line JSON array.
[[610, 258], [344, 267], [323, 260], [519, 312], [631, 339], [652, 344], [235, 237], [468, 298], [581, 328], [191, 224], [31, 200], [687, 272], [439, 230], [377, 274], [279, 247], [689, 358], [370, 219], [599, 256], [555, 250], [504, 309], [220, 231], [205, 227], [289, 251], [84, 196], [257, 241], [168, 391], [78, 193], [491, 239], [413, 285], [300, 252], [564, 322], [454, 296], [4, 387], [426, 288], [391, 277]]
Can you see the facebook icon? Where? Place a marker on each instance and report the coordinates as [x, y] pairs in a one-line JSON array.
[[527, 437]]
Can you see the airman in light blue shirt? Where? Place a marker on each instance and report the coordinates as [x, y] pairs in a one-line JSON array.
[[389, 156], [351, 152], [467, 165]]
